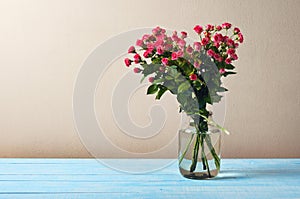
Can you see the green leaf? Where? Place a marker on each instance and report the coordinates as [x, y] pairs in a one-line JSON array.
[[184, 86], [162, 90], [173, 66], [142, 79], [152, 89], [229, 66], [228, 73], [160, 80]]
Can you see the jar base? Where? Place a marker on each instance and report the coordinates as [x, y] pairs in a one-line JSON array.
[[198, 175]]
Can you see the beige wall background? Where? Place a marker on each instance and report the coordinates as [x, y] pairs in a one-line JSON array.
[[43, 44]]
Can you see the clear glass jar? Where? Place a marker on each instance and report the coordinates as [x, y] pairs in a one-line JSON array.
[[199, 153]]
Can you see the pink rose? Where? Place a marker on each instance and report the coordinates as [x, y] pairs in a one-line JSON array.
[[137, 70], [204, 41], [152, 38], [211, 53], [183, 34], [228, 61], [181, 43], [198, 29], [127, 62], [159, 50], [159, 42], [168, 47], [145, 37], [174, 56], [193, 77], [218, 38], [218, 57], [236, 45], [164, 61], [139, 42], [147, 53], [234, 56], [189, 49], [222, 71], [226, 25], [197, 46], [151, 79], [131, 49], [230, 42], [241, 37], [216, 44], [179, 53], [175, 38], [218, 28], [230, 51], [209, 27], [156, 30], [197, 64], [236, 30]]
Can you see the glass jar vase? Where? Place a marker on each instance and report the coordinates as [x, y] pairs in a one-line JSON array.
[[199, 153]]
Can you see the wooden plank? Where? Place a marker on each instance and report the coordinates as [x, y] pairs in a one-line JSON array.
[[86, 178]]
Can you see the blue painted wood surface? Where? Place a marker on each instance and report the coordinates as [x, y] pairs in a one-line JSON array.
[[87, 178]]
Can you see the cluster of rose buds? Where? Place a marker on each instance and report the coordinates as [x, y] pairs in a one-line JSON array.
[[220, 47]]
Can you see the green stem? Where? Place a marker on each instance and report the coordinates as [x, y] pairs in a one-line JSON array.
[[195, 154], [186, 149], [213, 152]]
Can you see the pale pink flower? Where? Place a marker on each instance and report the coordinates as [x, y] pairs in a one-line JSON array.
[[159, 50], [137, 70], [151, 79], [181, 43], [179, 53], [145, 37], [197, 46], [189, 49], [222, 71], [197, 64], [139, 42]]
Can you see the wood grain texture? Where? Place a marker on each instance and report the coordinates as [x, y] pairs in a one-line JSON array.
[[87, 178]]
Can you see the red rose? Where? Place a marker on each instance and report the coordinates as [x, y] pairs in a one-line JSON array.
[[193, 77], [127, 62], [198, 29]]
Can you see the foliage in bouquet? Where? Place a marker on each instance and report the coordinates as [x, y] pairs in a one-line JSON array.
[[191, 71]]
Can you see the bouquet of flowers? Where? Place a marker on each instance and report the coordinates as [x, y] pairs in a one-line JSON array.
[[191, 71]]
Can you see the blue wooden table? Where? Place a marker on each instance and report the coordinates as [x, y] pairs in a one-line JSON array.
[[87, 178]]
